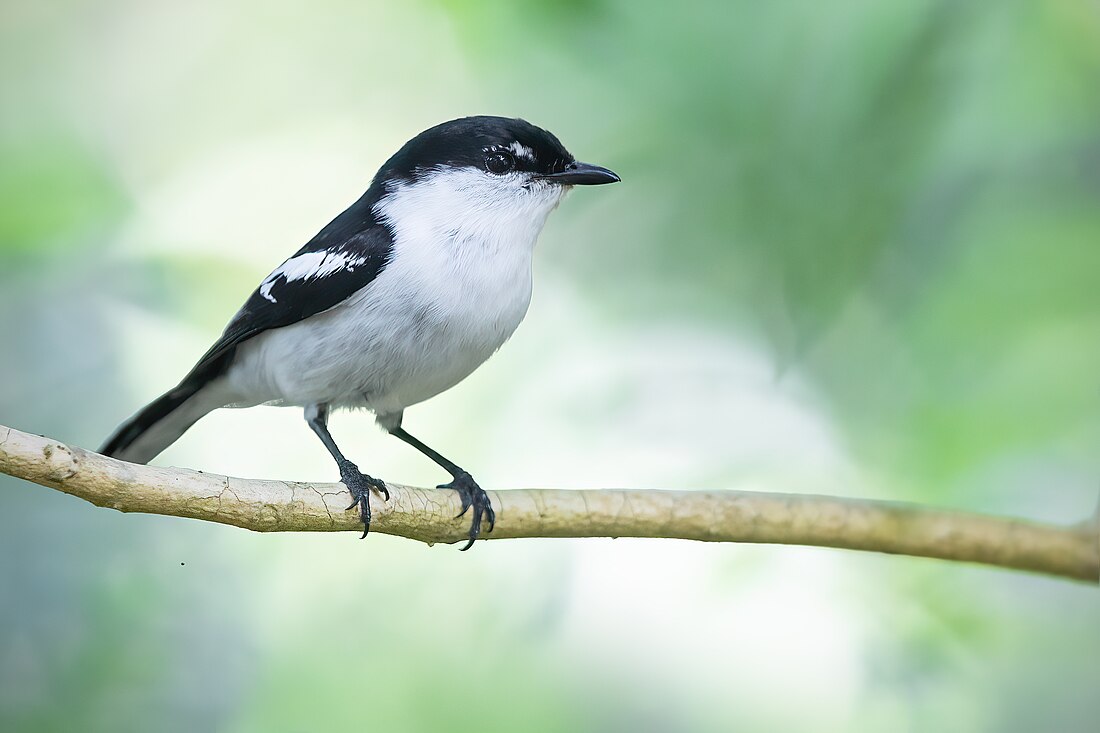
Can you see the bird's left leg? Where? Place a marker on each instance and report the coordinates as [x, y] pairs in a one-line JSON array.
[[472, 495], [359, 484]]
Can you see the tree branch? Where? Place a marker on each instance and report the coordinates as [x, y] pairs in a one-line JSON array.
[[428, 514]]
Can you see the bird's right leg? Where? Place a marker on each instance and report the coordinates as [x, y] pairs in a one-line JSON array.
[[359, 484]]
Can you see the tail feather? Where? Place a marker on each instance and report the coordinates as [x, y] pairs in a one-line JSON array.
[[161, 423]]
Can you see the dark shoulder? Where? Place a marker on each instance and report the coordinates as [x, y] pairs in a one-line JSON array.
[[339, 261]]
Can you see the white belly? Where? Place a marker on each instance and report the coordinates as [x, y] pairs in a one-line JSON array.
[[456, 286], [433, 315]]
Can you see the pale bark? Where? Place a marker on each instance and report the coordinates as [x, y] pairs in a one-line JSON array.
[[428, 515]]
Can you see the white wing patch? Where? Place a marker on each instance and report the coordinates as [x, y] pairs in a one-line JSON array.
[[310, 266]]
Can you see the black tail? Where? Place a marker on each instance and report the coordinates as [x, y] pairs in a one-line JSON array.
[[160, 423], [129, 432]]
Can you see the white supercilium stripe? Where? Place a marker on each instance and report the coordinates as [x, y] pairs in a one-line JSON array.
[[522, 151]]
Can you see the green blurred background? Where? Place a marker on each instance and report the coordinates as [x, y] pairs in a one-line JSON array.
[[856, 251]]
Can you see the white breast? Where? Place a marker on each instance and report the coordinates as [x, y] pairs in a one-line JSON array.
[[456, 287]]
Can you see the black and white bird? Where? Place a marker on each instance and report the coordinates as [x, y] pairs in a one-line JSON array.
[[399, 298]]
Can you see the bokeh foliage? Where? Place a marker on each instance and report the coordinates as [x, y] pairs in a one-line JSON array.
[[856, 249]]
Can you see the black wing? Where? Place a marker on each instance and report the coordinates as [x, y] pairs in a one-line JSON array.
[[342, 259]]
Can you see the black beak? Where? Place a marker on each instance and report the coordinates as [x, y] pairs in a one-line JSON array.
[[582, 174]]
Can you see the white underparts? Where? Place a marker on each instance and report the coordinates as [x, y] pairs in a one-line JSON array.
[[456, 285]]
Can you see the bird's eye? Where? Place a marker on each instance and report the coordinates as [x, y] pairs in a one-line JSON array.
[[499, 162]]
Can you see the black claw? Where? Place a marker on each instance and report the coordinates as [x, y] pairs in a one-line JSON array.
[[474, 496], [360, 485]]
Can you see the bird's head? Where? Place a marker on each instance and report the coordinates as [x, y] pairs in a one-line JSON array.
[[481, 172]]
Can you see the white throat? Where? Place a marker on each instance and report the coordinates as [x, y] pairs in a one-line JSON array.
[[469, 208], [458, 282]]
